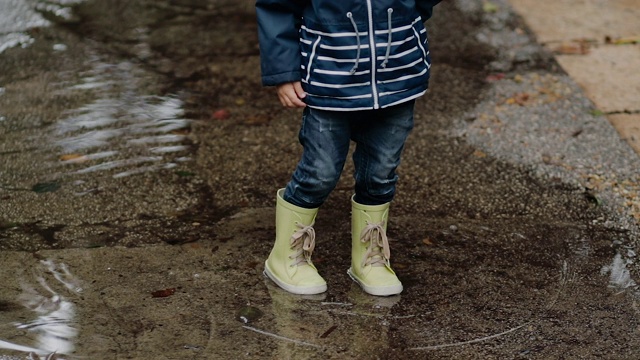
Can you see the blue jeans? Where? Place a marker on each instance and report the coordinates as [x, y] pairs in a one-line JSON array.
[[325, 136]]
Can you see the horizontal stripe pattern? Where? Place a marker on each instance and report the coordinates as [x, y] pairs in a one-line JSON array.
[[338, 70]]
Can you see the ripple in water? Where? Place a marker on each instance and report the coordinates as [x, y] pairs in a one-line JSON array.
[[53, 329], [17, 17], [120, 130]]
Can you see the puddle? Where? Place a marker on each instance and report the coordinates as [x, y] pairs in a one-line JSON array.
[[20, 16], [101, 115], [361, 319], [619, 275], [471, 293], [48, 324], [121, 131]]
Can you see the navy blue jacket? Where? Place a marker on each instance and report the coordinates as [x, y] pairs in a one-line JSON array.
[[327, 45]]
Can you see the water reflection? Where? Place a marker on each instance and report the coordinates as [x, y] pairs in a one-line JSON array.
[[8, 41], [291, 312], [120, 128], [53, 330], [305, 323], [58, 8], [116, 120], [17, 17], [619, 275]]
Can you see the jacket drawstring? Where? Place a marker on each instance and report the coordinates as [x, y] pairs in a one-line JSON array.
[[386, 55], [355, 27]]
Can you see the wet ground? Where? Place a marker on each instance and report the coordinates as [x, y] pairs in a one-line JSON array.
[[140, 158]]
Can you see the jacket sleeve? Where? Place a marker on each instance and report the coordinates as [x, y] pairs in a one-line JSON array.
[[278, 32], [425, 8]]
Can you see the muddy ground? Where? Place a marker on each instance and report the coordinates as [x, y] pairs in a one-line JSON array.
[[140, 160]]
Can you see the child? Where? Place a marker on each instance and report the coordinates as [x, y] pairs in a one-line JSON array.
[[356, 67]]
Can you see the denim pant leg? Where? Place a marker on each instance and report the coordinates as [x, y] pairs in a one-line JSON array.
[[380, 138], [325, 138]]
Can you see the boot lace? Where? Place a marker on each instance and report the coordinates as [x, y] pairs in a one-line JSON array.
[[303, 241], [378, 252]]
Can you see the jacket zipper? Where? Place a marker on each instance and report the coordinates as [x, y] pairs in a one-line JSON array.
[[372, 50]]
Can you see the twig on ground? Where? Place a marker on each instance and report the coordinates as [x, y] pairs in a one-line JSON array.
[[441, 346], [299, 342]]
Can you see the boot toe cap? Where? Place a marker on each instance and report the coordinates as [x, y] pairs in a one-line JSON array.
[[377, 281], [305, 280]]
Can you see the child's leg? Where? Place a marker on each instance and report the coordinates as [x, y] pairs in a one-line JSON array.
[[380, 141], [325, 137]]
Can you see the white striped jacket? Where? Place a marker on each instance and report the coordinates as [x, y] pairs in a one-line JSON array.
[[349, 55]]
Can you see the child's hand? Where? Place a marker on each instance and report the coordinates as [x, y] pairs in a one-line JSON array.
[[290, 94]]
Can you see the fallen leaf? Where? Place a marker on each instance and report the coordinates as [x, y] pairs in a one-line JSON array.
[[240, 101], [221, 114], [45, 187], [183, 173], [519, 99], [163, 293], [578, 47], [623, 41], [479, 154], [494, 77], [73, 157], [522, 98]]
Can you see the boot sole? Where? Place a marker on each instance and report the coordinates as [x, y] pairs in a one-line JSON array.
[[299, 290], [376, 290]]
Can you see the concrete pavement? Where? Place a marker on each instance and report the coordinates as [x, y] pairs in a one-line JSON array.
[[597, 43]]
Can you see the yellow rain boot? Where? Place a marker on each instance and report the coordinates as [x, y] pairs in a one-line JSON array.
[[370, 253], [289, 264]]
